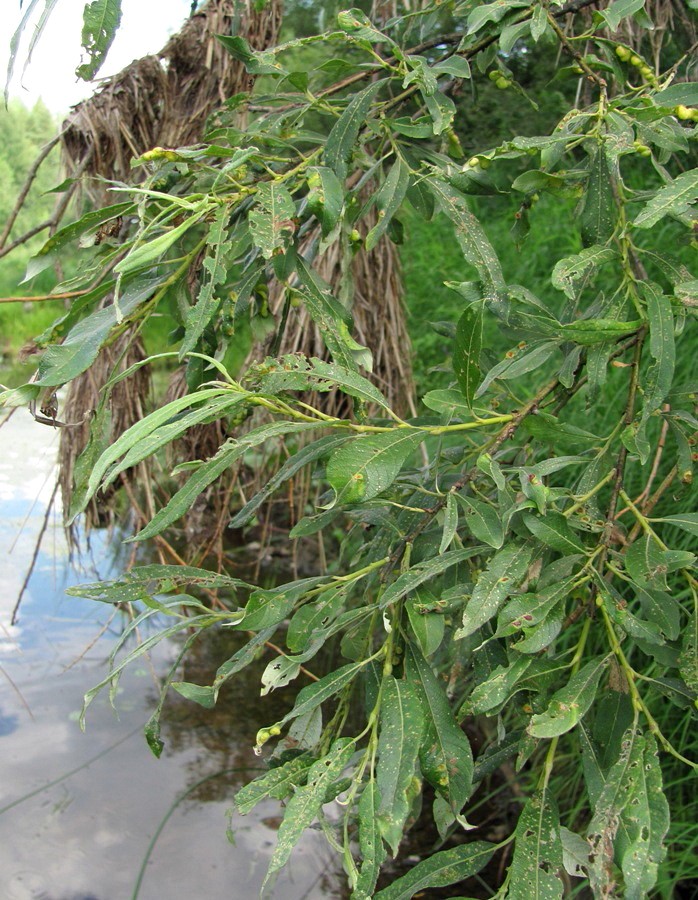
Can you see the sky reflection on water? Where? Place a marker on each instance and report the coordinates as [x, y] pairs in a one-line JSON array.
[[86, 836]]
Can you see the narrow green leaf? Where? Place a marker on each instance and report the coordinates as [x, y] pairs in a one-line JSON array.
[[572, 273], [101, 20], [310, 697], [212, 469], [428, 627], [688, 660], [216, 270], [325, 197], [389, 200], [293, 464], [278, 783], [307, 800], [501, 577], [271, 220], [425, 571], [450, 523], [660, 374], [482, 521], [534, 873], [570, 703], [445, 757], [687, 521], [598, 218], [472, 239], [401, 727], [61, 363], [595, 331], [498, 687], [619, 10], [674, 199], [329, 315], [368, 464], [150, 252], [371, 846], [345, 131], [440, 870], [466, 350], [554, 531]]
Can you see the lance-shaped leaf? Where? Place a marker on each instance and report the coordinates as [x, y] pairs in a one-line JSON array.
[[389, 200], [466, 350], [61, 363], [271, 220], [450, 523], [212, 469], [534, 873], [598, 217], [315, 694], [440, 870], [216, 270], [367, 465], [473, 241], [572, 273], [660, 374], [482, 520], [688, 660], [306, 802], [498, 687], [425, 571], [293, 464], [554, 531], [570, 703], [401, 728], [345, 131], [325, 197], [101, 20], [371, 846], [149, 252], [674, 199], [445, 756], [330, 316], [501, 577], [277, 784], [687, 521]]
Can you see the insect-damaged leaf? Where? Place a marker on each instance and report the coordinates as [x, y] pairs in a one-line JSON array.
[[473, 241], [371, 845], [466, 350], [389, 200], [401, 727], [450, 523], [216, 270], [674, 199], [306, 801], [365, 467], [271, 220], [424, 571], [502, 575], [534, 873], [440, 870], [572, 273], [630, 821], [277, 783], [569, 704], [345, 131], [445, 756], [660, 374], [99, 26], [325, 197], [598, 217]]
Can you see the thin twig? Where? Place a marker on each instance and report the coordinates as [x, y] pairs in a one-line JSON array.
[[37, 546]]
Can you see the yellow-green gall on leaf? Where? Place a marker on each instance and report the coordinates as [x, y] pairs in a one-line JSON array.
[[623, 53], [685, 113]]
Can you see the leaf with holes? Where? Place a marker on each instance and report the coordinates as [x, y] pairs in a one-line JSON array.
[[570, 703], [440, 870], [401, 727], [674, 199], [501, 577], [534, 873], [466, 351]]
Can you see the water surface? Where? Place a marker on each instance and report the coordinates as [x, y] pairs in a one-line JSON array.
[[89, 835]]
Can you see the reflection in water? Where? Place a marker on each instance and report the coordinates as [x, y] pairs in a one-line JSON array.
[[94, 816]]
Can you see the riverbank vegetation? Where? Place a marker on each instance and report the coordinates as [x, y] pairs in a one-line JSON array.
[[503, 566]]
